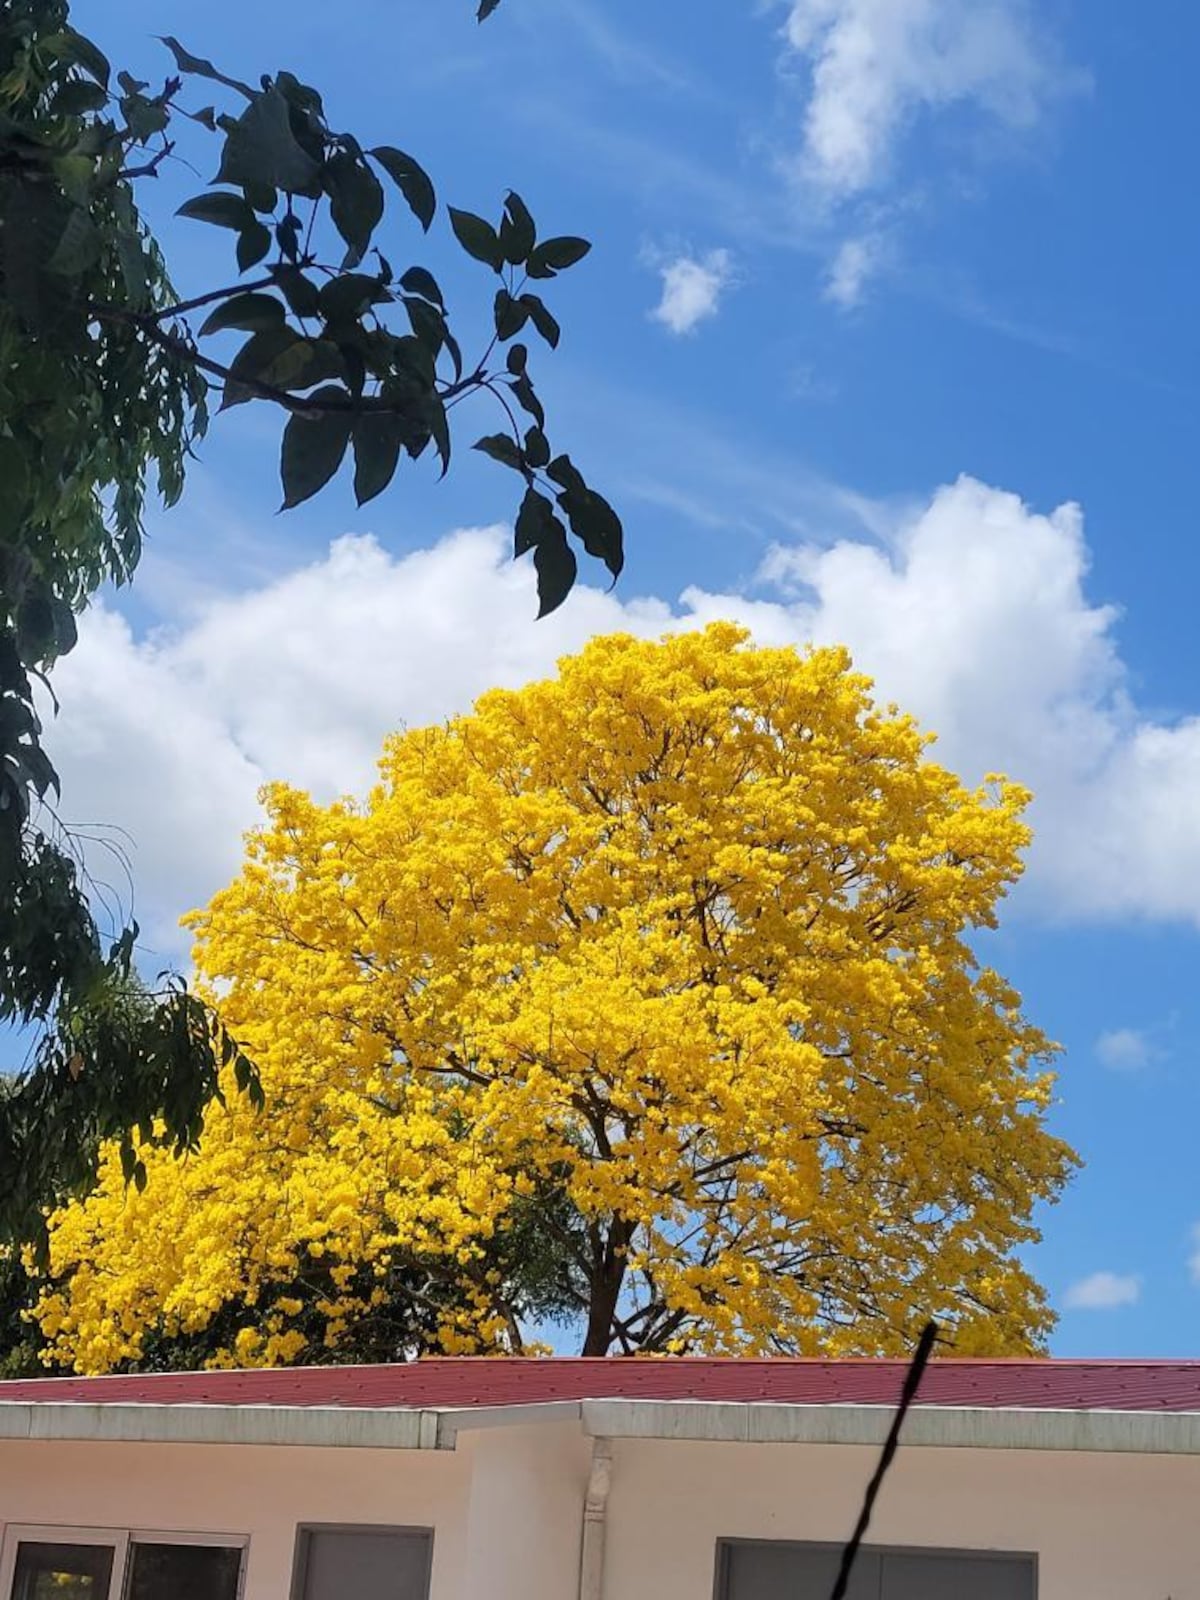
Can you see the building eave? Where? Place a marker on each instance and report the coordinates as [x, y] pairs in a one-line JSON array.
[[406, 1428]]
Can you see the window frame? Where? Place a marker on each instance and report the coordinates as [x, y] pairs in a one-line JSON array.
[[18, 1533], [961, 1552], [120, 1540], [304, 1529]]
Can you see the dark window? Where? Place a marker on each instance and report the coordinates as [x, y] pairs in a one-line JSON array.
[[62, 1571], [376, 1563], [780, 1571], [183, 1572]]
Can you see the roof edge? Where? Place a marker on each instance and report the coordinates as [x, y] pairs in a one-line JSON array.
[[333, 1426], [754, 1422], [947, 1427]]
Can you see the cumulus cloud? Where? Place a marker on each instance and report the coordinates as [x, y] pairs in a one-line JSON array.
[[970, 611], [876, 64], [691, 289], [1103, 1291], [1124, 1049]]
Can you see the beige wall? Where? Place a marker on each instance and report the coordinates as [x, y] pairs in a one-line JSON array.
[[249, 1489], [506, 1507], [1114, 1527]]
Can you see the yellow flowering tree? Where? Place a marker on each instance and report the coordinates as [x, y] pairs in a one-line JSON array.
[[642, 997]]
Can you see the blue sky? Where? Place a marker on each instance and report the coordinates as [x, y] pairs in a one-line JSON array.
[[889, 336]]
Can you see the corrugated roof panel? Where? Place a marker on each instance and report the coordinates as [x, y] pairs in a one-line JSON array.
[[457, 1381]]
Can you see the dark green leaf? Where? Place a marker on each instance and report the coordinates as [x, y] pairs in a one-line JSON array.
[[427, 323], [262, 149], [537, 451], [253, 312], [355, 201], [556, 568], [501, 448], [412, 356], [377, 439], [596, 525], [542, 320], [526, 398], [299, 94], [72, 46], [511, 316], [144, 117], [78, 245], [261, 356], [300, 292], [555, 255], [517, 232], [346, 297], [417, 281], [224, 210], [535, 521], [313, 448], [253, 244], [262, 197], [439, 428], [287, 236], [568, 476], [411, 180], [477, 237], [197, 67], [75, 98], [515, 361], [134, 268]]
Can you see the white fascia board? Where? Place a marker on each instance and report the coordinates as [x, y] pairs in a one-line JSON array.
[[950, 1427], [340, 1426], [469, 1419]]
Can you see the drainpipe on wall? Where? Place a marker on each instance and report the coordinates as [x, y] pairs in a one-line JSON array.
[[595, 1511]]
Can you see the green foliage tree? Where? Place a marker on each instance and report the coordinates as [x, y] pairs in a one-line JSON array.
[[105, 381]]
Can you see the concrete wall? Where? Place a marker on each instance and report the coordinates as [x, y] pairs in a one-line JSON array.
[[1114, 1527]]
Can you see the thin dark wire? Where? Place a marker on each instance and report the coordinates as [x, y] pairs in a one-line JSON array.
[[912, 1382]]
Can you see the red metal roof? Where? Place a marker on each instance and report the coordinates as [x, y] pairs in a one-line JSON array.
[[457, 1381]]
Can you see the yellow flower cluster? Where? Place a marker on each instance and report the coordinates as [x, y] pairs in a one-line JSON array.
[[681, 935]]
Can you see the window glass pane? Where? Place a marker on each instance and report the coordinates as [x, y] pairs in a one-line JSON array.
[[62, 1571], [913, 1576], [374, 1564], [793, 1572], [183, 1572]]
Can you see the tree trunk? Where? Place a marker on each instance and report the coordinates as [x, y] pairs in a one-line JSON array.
[[608, 1275]]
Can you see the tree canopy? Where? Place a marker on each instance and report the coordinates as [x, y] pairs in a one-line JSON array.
[[665, 963], [106, 378]]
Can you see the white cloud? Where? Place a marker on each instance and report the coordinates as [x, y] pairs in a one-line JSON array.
[[1124, 1049], [1103, 1291], [969, 610], [692, 289], [857, 261], [876, 64], [1194, 1258]]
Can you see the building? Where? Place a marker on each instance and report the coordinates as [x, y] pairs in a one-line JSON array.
[[677, 1479]]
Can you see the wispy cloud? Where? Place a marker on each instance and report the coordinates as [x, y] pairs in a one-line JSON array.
[[874, 65], [871, 70], [1103, 1291], [857, 261], [1124, 1050], [692, 288]]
